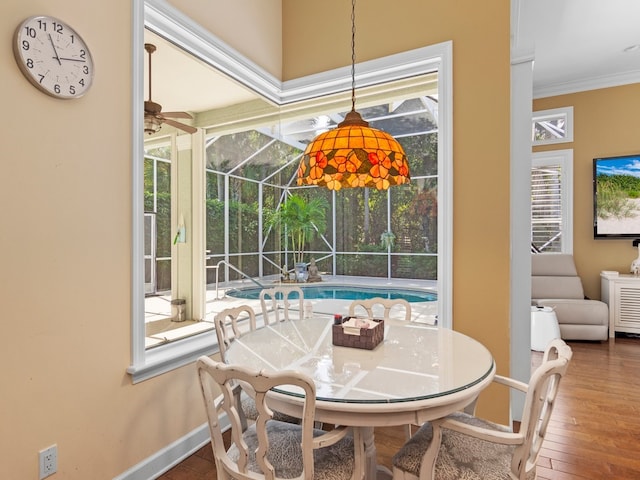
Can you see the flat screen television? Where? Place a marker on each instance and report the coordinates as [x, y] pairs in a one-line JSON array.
[[616, 197]]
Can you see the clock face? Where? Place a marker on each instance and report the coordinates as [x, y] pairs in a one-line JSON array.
[[53, 57]]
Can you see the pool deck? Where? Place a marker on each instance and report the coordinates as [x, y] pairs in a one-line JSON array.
[[161, 329]]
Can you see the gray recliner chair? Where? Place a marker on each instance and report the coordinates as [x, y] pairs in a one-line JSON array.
[[555, 283]]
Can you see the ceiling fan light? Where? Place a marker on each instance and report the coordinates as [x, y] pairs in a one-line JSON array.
[[151, 125]]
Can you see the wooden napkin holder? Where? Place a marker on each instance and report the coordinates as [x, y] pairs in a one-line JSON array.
[[368, 338]]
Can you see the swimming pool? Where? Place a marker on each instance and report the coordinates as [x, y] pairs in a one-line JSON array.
[[344, 292]]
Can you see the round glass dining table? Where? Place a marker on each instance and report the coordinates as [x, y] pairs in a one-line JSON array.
[[416, 374]]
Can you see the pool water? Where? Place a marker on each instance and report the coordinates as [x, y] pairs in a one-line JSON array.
[[337, 292]]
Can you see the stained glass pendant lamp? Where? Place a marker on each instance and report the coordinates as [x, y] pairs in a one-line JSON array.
[[353, 154]]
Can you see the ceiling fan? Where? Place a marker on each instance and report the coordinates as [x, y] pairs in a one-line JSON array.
[[154, 117]]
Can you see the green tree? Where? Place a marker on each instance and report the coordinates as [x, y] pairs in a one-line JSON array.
[[300, 220]]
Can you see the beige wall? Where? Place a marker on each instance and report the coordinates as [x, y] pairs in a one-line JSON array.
[[252, 27], [606, 123], [317, 37], [66, 219], [66, 290]]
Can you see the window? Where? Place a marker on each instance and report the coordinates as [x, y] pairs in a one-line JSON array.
[[250, 173], [552, 201], [233, 184], [552, 126]]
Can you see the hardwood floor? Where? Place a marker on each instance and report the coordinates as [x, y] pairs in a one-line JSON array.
[[595, 427]]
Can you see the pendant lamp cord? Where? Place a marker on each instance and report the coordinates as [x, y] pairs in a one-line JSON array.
[[353, 55]]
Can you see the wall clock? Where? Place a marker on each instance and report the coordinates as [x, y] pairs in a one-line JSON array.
[[53, 57]]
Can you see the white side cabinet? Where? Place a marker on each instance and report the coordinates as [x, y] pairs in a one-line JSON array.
[[622, 293]]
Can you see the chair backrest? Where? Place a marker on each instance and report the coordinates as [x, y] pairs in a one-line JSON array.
[[369, 305], [272, 300], [218, 377], [554, 275], [227, 328], [539, 403]]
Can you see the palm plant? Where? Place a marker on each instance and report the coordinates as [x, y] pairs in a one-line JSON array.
[[301, 220]]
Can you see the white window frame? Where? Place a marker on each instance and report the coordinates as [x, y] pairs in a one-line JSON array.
[[563, 158], [170, 23], [554, 114]]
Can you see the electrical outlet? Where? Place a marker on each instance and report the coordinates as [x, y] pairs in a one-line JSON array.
[[48, 461]]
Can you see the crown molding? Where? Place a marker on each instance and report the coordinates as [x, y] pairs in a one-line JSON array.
[[594, 83]]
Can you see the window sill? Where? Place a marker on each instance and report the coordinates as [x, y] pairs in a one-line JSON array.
[[163, 359], [177, 331]]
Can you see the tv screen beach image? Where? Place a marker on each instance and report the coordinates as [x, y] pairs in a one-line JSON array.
[[617, 196]]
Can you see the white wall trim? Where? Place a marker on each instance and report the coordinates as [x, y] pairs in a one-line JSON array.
[[566, 112], [594, 83], [520, 202], [137, 199], [380, 70], [445, 186], [168, 457]]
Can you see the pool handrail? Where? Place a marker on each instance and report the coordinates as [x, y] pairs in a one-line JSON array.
[[224, 262]]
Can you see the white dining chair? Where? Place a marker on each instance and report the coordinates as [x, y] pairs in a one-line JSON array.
[[229, 325], [232, 323], [277, 299], [462, 445], [269, 449], [373, 305]]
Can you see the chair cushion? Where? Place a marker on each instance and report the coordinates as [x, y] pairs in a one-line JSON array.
[[578, 312], [460, 456], [251, 412], [334, 462]]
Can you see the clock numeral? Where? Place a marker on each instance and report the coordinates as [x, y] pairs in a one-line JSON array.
[[41, 78], [83, 54], [73, 38], [81, 82], [26, 45], [30, 32], [56, 88], [72, 90], [57, 27], [42, 25], [29, 63], [85, 70]]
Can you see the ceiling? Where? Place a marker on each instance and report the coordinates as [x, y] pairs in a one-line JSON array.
[[180, 82], [578, 45]]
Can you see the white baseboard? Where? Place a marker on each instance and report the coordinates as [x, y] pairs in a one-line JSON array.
[[161, 461]]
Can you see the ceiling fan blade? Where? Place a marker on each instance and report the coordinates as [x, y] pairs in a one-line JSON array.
[[181, 126], [177, 115]]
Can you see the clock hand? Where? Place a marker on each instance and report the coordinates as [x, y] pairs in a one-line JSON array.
[[54, 50], [73, 59]]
